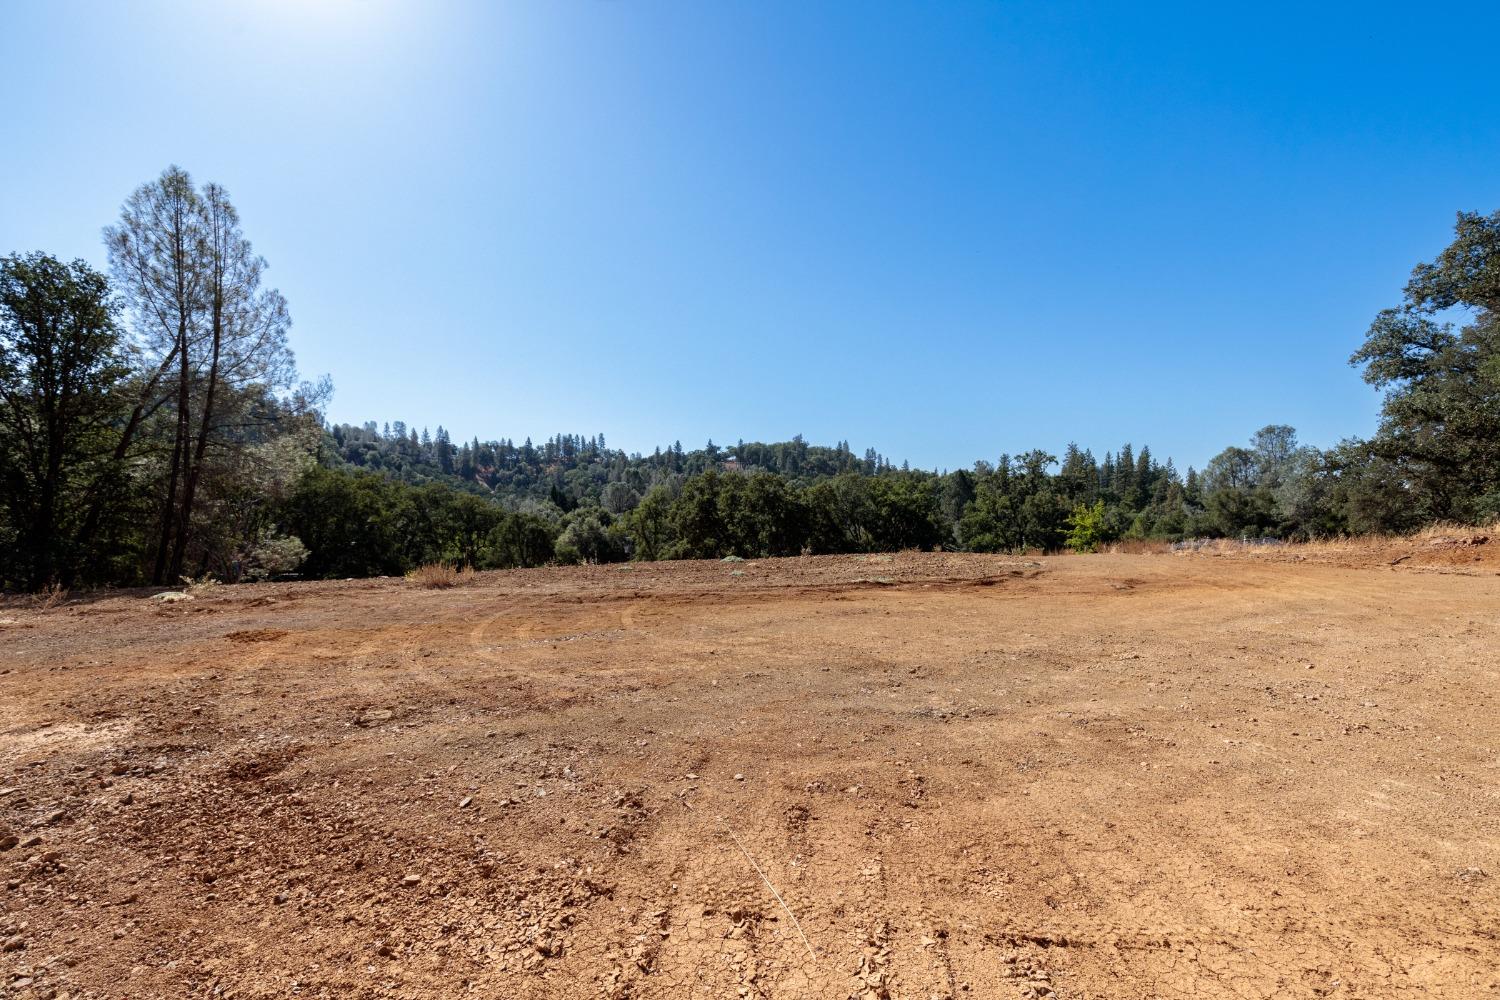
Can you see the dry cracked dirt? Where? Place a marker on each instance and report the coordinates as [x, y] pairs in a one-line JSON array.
[[909, 776]]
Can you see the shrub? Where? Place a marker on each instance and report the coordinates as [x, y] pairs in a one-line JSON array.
[[1086, 527], [434, 576], [50, 596], [274, 554]]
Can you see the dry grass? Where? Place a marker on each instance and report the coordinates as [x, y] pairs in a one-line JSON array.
[[1445, 531], [1137, 546], [198, 587], [1447, 546], [435, 576], [50, 597], [1216, 546], [1434, 537], [1441, 533]]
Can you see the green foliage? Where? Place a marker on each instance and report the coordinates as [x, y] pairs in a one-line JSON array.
[[62, 357], [853, 513], [348, 523], [695, 522], [161, 449], [521, 540], [1086, 527], [650, 524], [1369, 493], [840, 512], [1440, 423], [763, 515], [1019, 507], [1275, 488], [907, 513], [272, 555], [586, 538], [570, 470], [363, 524]]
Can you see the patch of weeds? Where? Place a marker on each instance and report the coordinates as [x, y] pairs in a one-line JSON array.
[[50, 597], [434, 576]]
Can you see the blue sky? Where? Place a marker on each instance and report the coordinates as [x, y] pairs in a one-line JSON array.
[[945, 231]]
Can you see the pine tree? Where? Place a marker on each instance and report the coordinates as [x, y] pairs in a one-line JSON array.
[[1124, 484], [444, 451], [1142, 485]]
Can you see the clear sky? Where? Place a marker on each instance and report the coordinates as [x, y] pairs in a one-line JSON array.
[[942, 230]]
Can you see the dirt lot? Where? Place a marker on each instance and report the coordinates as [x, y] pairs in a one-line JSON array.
[[1270, 774]]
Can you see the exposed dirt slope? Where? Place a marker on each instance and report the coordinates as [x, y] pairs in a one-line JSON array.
[[1105, 777]]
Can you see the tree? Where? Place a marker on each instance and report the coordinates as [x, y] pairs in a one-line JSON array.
[[841, 511], [696, 522], [1304, 496], [194, 285], [989, 523], [619, 497], [585, 537], [762, 514], [347, 522], [1440, 421], [445, 451], [1275, 448], [469, 524], [1237, 502], [1078, 479], [650, 524], [155, 252], [1369, 493], [907, 514], [244, 345], [521, 540], [61, 362], [1232, 468]]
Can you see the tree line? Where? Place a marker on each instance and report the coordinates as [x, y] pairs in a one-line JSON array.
[[154, 430]]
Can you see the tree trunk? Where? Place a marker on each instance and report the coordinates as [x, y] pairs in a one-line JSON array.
[[179, 450], [94, 496], [200, 447], [44, 541]]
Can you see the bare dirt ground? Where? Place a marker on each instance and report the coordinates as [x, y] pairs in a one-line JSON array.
[[1212, 775]]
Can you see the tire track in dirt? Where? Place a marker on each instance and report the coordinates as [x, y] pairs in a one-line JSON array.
[[1130, 777]]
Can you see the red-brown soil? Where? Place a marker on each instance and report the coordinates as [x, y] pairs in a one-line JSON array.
[[1253, 775]]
